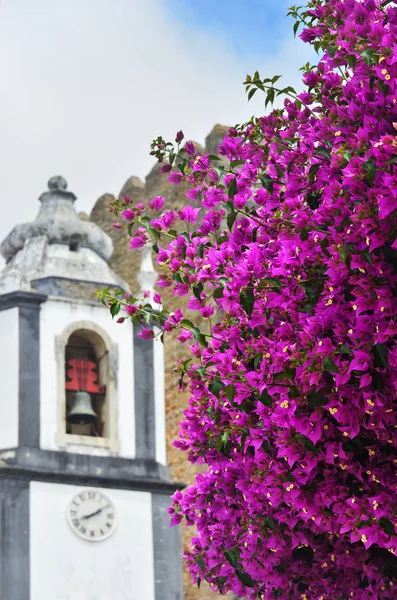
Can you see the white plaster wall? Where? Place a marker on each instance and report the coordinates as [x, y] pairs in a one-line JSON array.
[[9, 377], [159, 399], [84, 264], [66, 567], [56, 315]]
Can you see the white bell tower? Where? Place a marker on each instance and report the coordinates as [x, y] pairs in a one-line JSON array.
[[84, 487]]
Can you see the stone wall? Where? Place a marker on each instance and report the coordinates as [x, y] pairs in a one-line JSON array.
[[126, 264]]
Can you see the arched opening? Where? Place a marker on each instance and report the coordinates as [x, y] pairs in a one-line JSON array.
[[86, 382]]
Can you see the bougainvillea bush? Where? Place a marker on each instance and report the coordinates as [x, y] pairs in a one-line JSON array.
[[289, 252]]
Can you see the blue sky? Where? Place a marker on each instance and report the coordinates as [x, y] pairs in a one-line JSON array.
[[86, 85], [251, 27]]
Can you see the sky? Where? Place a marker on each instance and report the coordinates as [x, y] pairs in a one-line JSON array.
[[86, 85]]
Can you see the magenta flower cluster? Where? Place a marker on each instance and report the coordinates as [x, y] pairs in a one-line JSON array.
[[292, 262]]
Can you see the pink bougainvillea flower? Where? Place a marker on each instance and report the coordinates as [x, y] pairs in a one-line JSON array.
[[189, 147], [291, 278], [128, 214], [188, 214], [157, 203], [146, 333], [137, 242]]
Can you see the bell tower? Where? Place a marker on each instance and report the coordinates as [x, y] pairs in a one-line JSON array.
[[84, 487]]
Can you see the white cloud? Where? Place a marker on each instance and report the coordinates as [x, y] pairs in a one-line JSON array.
[[85, 85]]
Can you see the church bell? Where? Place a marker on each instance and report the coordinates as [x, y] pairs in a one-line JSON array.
[[82, 375], [82, 412]]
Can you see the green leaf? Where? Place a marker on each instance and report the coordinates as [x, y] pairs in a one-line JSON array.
[[272, 281], [380, 353], [252, 92], [186, 324], [216, 386], [225, 437], [202, 340], [201, 372], [258, 359], [232, 188], [367, 55], [351, 60], [115, 309], [230, 219], [276, 78], [324, 245], [329, 365], [308, 444], [200, 563], [198, 288], [185, 235], [218, 293], [245, 578], [345, 349], [332, 51], [343, 254], [219, 169], [214, 157], [362, 524], [229, 206], [315, 399], [370, 167], [322, 151], [230, 392], [271, 524], [266, 399], [232, 556], [310, 291], [267, 183], [247, 301], [387, 526], [237, 163], [196, 332], [296, 27], [270, 96], [313, 172], [176, 277]]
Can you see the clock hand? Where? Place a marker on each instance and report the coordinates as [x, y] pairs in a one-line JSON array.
[[92, 514], [97, 512]]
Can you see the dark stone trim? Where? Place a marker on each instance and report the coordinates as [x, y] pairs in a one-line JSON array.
[[29, 374], [65, 286], [82, 469], [29, 305], [145, 423], [15, 540], [2, 540], [21, 299], [167, 552]]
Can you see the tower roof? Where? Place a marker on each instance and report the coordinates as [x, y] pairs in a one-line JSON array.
[[58, 221], [58, 253]]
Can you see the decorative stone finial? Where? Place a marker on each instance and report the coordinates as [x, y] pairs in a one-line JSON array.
[[57, 183], [58, 223]]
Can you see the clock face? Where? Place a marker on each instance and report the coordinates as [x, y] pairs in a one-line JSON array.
[[91, 515]]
